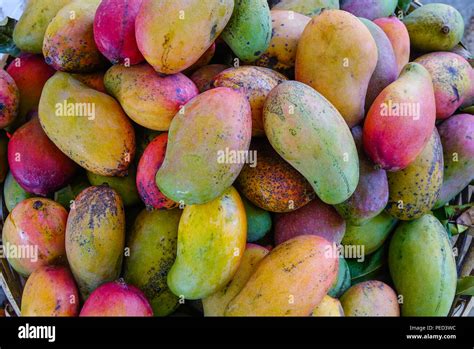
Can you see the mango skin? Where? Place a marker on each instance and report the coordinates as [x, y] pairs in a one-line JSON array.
[[249, 30], [272, 184], [203, 77], [9, 99], [434, 27], [153, 242], [417, 187], [214, 123], [392, 141], [171, 44], [422, 267], [309, 133], [338, 69], [92, 80], [287, 28], [291, 281], [305, 7], [343, 279], [370, 298], [109, 130], [458, 151], [95, 237], [69, 43], [451, 81], [255, 83], [13, 193], [369, 9], [329, 307], [50, 291], [211, 243], [216, 304], [29, 32], [164, 95], [259, 222]]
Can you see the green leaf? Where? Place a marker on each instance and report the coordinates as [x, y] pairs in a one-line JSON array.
[[404, 5], [361, 270], [6, 39], [465, 286]]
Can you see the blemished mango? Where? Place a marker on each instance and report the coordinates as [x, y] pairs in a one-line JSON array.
[[173, 35], [203, 78], [401, 120], [216, 304], [211, 243], [415, 189], [291, 281], [95, 237], [422, 267], [309, 133], [103, 138], [328, 307], [206, 141], [369, 9], [338, 69], [9, 99], [305, 7]]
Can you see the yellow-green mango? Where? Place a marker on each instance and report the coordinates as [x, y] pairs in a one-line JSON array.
[[211, 243], [87, 125], [328, 307], [305, 7], [309, 133], [152, 244]]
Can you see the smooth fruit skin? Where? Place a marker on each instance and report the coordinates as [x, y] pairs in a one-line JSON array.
[[95, 237], [338, 69], [203, 78], [9, 99], [291, 281], [370, 298], [117, 299], [328, 307], [92, 80], [422, 267], [342, 281], [401, 120], [36, 163], [173, 35], [434, 27], [305, 7], [50, 291], [415, 189], [369, 9], [310, 134], [114, 31], [211, 243], [13, 193], [259, 221], [458, 151], [35, 230]]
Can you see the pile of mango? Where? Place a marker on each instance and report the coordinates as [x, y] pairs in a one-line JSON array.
[[241, 157]]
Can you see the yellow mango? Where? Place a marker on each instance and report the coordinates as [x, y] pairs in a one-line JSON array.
[[329, 307]]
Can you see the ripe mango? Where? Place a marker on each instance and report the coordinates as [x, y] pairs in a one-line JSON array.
[[369, 9], [203, 78], [9, 99], [13, 193], [305, 7], [328, 307]]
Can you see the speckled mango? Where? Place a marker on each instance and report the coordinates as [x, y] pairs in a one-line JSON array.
[[271, 183], [370, 9], [203, 78], [99, 136], [216, 304], [305, 7], [152, 244], [95, 237], [69, 39], [338, 69], [164, 95], [415, 189], [204, 140], [173, 35], [308, 132], [422, 267], [255, 83], [328, 307], [9, 99], [211, 243], [291, 281]]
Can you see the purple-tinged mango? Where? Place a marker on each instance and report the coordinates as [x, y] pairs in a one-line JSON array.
[[369, 9], [9, 99], [305, 7]]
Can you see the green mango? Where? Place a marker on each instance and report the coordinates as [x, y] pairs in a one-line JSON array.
[[259, 221], [13, 193], [66, 195], [343, 281]]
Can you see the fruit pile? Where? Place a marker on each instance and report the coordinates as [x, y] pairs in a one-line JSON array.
[[264, 158]]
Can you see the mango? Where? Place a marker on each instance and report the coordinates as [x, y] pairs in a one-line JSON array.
[[415, 189], [13, 193], [328, 307], [211, 243], [95, 236], [370, 298], [69, 39], [271, 183], [422, 267], [369, 9], [203, 77], [29, 32], [173, 35], [291, 281], [305, 7], [309, 133], [255, 83], [152, 243], [164, 95], [204, 60], [401, 120], [65, 196], [92, 80], [50, 291], [434, 27], [259, 222], [206, 143], [343, 279], [458, 152], [451, 81], [216, 304], [338, 69], [104, 139], [9, 99], [33, 235]]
